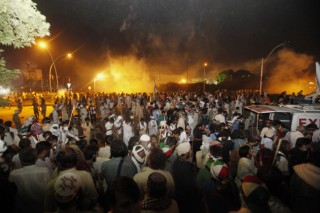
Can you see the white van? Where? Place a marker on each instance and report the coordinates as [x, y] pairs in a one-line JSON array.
[[290, 115]]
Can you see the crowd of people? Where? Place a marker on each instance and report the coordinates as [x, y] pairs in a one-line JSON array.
[[170, 152]]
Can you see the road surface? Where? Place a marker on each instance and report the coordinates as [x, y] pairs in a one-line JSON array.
[[7, 113]]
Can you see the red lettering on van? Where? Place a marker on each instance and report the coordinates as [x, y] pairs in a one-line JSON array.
[[304, 121]]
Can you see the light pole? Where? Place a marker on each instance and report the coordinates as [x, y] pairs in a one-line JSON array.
[[188, 61], [68, 55], [44, 46], [98, 77], [69, 84], [264, 60], [204, 76]]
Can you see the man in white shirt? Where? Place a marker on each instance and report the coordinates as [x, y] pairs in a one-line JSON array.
[[109, 127]]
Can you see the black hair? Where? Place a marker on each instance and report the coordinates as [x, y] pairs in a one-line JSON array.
[[52, 138], [157, 159], [244, 151], [122, 194], [24, 143], [302, 141], [66, 158], [46, 134], [82, 144], [43, 146], [171, 141], [315, 154], [8, 123], [118, 149], [90, 151], [132, 142], [28, 156]]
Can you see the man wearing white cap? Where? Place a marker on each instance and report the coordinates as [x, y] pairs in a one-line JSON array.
[[152, 126], [184, 179], [118, 124]]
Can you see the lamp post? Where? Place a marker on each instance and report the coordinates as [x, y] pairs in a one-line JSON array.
[[98, 77], [69, 84], [204, 76], [188, 61], [264, 60], [67, 55], [44, 46]]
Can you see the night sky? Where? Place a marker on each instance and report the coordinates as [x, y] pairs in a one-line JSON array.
[[157, 36]]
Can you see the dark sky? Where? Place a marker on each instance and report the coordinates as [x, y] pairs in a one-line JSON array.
[[164, 33]]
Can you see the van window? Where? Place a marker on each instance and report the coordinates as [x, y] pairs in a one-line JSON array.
[[262, 118], [285, 118]]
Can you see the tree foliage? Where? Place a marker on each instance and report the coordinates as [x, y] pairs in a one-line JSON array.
[[21, 23], [5, 74]]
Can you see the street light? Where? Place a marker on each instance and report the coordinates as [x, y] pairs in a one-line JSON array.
[[44, 46], [68, 55], [98, 77], [204, 76], [264, 60], [69, 84]]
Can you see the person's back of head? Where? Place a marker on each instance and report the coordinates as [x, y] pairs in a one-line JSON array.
[[157, 185], [156, 159], [66, 158], [24, 143], [224, 198], [216, 150], [300, 128], [46, 134], [28, 156], [302, 141], [171, 141], [8, 123], [43, 146], [272, 177], [244, 151], [108, 140], [123, 195], [134, 140], [93, 142], [90, 152], [118, 149], [315, 154]]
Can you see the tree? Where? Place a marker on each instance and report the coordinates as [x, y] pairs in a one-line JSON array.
[[6, 75], [224, 75], [20, 24]]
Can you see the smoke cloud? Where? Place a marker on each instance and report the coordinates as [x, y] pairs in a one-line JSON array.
[[290, 72]]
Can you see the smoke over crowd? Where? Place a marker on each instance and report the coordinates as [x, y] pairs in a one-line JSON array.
[[139, 42]]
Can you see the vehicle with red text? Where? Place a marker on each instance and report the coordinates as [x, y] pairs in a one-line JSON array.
[[290, 115]]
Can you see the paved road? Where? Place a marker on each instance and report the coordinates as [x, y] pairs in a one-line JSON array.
[[6, 113]]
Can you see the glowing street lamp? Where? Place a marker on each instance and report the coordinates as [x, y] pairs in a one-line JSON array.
[[69, 84], [204, 76], [44, 46], [53, 64], [98, 77], [69, 56]]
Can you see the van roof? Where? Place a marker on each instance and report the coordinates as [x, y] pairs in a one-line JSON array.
[[284, 108]]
